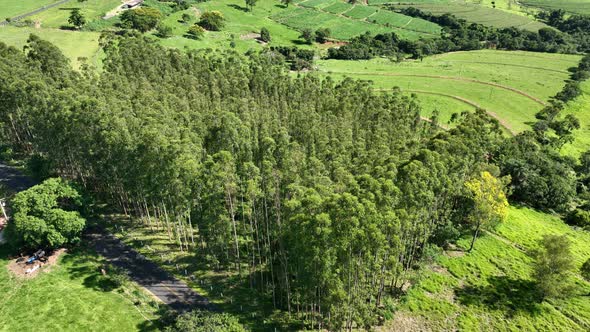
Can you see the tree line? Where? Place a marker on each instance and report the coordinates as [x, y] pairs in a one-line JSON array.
[[322, 195]]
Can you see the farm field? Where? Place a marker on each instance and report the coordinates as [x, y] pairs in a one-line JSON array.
[[572, 6], [490, 288], [353, 20], [12, 8], [479, 14], [512, 86], [69, 297]]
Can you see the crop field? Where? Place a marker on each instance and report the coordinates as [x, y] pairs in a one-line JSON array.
[[490, 289], [338, 7], [70, 297], [12, 8], [572, 6], [511, 86], [481, 14], [358, 20]]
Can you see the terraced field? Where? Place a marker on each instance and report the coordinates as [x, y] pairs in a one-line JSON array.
[[511, 86], [347, 21], [490, 289]]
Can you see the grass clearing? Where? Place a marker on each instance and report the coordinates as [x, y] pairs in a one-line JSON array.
[[70, 297], [490, 289], [12, 8], [74, 44], [511, 85], [93, 10], [579, 107]]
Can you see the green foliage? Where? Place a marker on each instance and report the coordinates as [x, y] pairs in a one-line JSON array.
[[322, 35], [186, 17], [195, 32], [76, 18], [163, 31], [212, 20], [265, 35], [585, 270], [205, 321], [307, 36], [250, 4], [578, 217], [553, 265], [142, 19], [39, 220]]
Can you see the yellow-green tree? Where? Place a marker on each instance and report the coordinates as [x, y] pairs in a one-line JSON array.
[[490, 202]]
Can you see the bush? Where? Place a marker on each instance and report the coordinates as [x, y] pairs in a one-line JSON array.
[[553, 264], [39, 218], [578, 217], [164, 31], [204, 321], [265, 35], [142, 19], [195, 32], [212, 21], [322, 35], [585, 270]]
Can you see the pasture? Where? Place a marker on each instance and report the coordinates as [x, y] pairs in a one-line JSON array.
[[490, 289], [74, 44], [12, 8], [579, 108], [71, 296], [511, 86], [92, 10]]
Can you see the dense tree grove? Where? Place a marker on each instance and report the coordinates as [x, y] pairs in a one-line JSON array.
[[457, 35], [322, 195]]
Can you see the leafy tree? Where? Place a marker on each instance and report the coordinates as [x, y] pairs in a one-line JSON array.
[[553, 265], [322, 35], [76, 18], [250, 4], [307, 35], [585, 270], [163, 31], [142, 19], [265, 35], [490, 202], [39, 218], [204, 321], [212, 20], [195, 32]]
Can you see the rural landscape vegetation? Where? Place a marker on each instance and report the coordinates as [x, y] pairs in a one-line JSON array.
[[295, 165]]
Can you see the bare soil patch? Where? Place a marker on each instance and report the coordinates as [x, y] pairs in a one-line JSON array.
[[21, 269], [251, 35]]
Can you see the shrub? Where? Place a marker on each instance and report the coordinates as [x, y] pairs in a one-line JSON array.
[[212, 21], [164, 31], [578, 217], [585, 270], [205, 321], [195, 32], [265, 35]]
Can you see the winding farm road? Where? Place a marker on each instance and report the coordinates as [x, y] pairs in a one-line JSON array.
[[36, 11], [170, 290]]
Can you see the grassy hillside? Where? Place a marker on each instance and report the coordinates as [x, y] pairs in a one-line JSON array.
[[490, 289], [572, 6], [580, 108], [70, 297], [512, 86], [91, 9], [12, 8]]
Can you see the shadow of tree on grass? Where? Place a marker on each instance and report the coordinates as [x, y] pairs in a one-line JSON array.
[[503, 294]]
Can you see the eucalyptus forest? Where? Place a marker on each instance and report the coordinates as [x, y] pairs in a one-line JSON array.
[[324, 197]]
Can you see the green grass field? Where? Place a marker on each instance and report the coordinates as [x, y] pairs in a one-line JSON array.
[[91, 9], [512, 86], [490, 289], [12, 8], [70, 297], [572, 6], [73, 44]]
